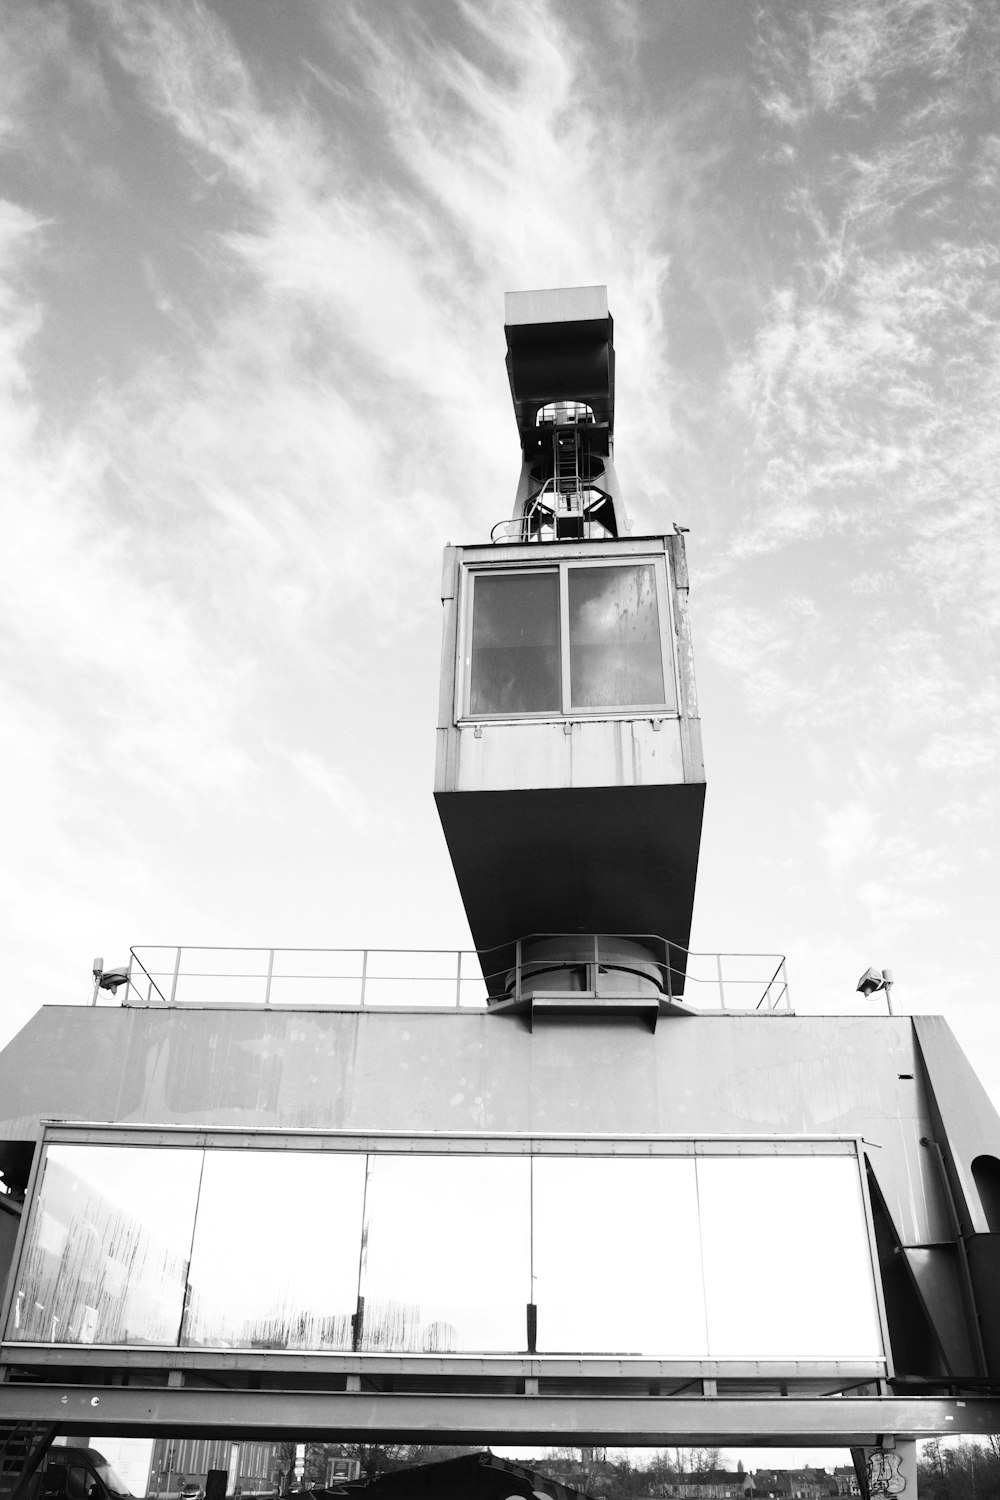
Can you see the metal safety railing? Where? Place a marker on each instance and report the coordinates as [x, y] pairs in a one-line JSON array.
[[556, 499], [353, 978]]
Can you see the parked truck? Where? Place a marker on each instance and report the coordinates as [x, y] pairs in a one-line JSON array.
[[75, 1474]]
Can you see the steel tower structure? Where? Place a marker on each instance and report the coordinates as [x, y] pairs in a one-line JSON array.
[[591, 1208]]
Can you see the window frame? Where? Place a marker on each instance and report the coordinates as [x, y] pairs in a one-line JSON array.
[[404, 1143], [561, 566]]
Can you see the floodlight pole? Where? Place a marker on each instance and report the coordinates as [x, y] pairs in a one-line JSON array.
[[887, 986]]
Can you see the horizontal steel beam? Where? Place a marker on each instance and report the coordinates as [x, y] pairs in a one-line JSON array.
[[52, 1357], [358, 1416]]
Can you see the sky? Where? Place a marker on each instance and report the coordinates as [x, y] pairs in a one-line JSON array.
[[252, 263]]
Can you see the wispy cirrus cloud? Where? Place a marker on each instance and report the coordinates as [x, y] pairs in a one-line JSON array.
[[902, 312], [343, 792], [869, 391], [216, 534], [255, 378], [840, 58], [852, 594], [477, 171]]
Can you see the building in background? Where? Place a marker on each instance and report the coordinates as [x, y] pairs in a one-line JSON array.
[[179, 1466]]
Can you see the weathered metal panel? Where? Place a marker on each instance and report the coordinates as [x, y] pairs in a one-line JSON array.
[[449, 640], [63, 1063], [578, 753], [680, 591], [461, 1071], [524, 554], [963, 1112], [936, 1272], [564, 304]]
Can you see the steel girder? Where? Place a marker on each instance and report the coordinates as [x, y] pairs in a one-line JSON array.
[[620, 1420]]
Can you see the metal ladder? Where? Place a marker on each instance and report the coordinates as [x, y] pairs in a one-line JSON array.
[[566, 460], [567, 481]]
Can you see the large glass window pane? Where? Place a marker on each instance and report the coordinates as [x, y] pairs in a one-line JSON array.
[[614, 637], [107, 1250], [515, 643], [447, 1264], [787, 1266], [617, 1267], [276, 1250]]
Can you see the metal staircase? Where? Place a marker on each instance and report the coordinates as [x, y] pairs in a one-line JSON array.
[[23, 1445]]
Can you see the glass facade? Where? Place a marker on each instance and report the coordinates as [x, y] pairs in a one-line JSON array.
[[756, 1256], [599, 1289], [787, 1269], [106, 1260], [447, 1259], [262, 1277], [569, 639]]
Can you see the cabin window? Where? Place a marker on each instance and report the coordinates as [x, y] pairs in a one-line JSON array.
[[614, 637], [577, 638], [515, 644]]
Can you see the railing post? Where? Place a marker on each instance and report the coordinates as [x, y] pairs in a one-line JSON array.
[[722, 988], [784, 986], [517, 970], [270, 971], [597, 963], [177, 970], [364, 973], [458, 979]]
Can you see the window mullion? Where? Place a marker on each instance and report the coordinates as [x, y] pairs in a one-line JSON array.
[[666, 623], [668, 636], [464, 662], [564, 636]]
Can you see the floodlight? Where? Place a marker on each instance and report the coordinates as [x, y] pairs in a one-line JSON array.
[[112, 979], [871, 981]]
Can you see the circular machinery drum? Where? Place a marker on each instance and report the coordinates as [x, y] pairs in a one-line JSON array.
[[574, 963]]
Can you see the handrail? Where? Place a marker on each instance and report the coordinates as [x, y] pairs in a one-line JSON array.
[[521, 523], [437, 978]]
